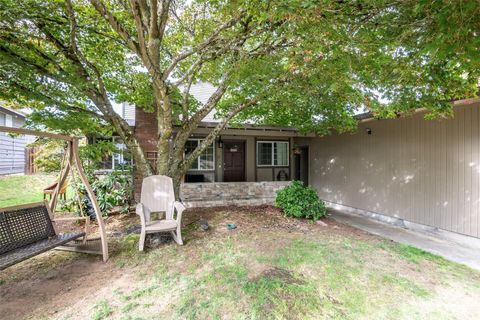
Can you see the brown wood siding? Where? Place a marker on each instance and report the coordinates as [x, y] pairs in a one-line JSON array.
[[422, 171]]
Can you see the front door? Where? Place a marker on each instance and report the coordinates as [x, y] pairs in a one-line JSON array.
[[233, 161], [301, 165]]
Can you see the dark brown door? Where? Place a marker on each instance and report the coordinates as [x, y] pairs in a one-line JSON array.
[[233, 161]]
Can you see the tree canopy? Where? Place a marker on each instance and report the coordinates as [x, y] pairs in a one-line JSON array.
[[306, 64]]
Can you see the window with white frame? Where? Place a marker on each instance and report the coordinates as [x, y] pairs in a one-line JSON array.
[[120, 159], [8, 120], [206, 160], [272, 154]]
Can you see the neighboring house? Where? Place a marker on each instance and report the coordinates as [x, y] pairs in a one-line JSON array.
[[12, 149]]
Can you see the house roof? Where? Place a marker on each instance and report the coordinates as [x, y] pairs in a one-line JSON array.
[[367, 116], [206, 124], [10, 111]]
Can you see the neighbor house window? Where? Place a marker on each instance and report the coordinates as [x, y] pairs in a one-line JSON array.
[[206, 160], [272, 153]]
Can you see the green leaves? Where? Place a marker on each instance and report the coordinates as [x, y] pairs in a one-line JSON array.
[[299, 201], [311, 65]]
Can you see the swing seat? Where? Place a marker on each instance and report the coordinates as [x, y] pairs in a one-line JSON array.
[[12, 239], [27, 231]]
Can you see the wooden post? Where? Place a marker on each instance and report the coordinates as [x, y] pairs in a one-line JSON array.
[[73, 154], [63, 177], [83, 177]]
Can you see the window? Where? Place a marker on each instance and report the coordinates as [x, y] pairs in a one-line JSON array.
[[8, 121], [120, 160], [272, 153], [206, 161]]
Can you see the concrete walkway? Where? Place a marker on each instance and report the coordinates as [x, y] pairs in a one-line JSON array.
[[450, 250]]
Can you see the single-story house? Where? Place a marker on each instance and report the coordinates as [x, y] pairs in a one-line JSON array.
[[252, 154], [410, 170], [12, 149]]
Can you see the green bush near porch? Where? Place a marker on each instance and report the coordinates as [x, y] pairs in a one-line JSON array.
[[299, 201]]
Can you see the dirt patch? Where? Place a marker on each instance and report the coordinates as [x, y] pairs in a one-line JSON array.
[[47, 292], [58, 284], [47, 283]]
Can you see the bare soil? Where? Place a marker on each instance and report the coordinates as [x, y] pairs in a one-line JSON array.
[[44, 285], [49, 284]]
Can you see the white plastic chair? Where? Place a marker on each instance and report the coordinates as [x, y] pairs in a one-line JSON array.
[[158, 196]]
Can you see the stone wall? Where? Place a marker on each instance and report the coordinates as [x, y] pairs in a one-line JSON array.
[[230, 193]]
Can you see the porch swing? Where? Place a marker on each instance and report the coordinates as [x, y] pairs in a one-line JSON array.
[[28, 230]]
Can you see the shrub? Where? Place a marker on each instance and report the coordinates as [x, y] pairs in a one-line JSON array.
[[112, 189], [297, 200]]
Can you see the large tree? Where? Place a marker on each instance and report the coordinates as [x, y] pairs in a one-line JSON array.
[[308, 64]]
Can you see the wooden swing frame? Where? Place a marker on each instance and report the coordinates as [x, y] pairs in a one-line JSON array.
[[73, 158]]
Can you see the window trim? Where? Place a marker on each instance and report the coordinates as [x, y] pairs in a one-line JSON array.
[[198, 159], [120, 154], [273, 154], [112, 167]]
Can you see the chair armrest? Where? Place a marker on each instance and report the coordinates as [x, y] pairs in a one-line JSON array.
[[144, 214], [179, 207], [50, 187]]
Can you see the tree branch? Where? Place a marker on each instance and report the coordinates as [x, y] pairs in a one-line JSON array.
[[209, 41], [116, 25], [214, 133]]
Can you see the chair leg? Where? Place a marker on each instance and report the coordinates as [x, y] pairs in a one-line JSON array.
[[177, 236], [141, 243]]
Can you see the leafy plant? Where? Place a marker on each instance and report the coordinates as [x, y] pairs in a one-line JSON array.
[[297, 200], [49, 154], [112, 189]]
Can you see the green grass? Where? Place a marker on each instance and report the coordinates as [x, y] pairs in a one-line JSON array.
[[17, 190], [281, 274], [102, 310], [303, 277]]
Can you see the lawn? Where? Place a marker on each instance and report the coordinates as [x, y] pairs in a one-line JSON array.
[[16, 190], [269, 267]]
